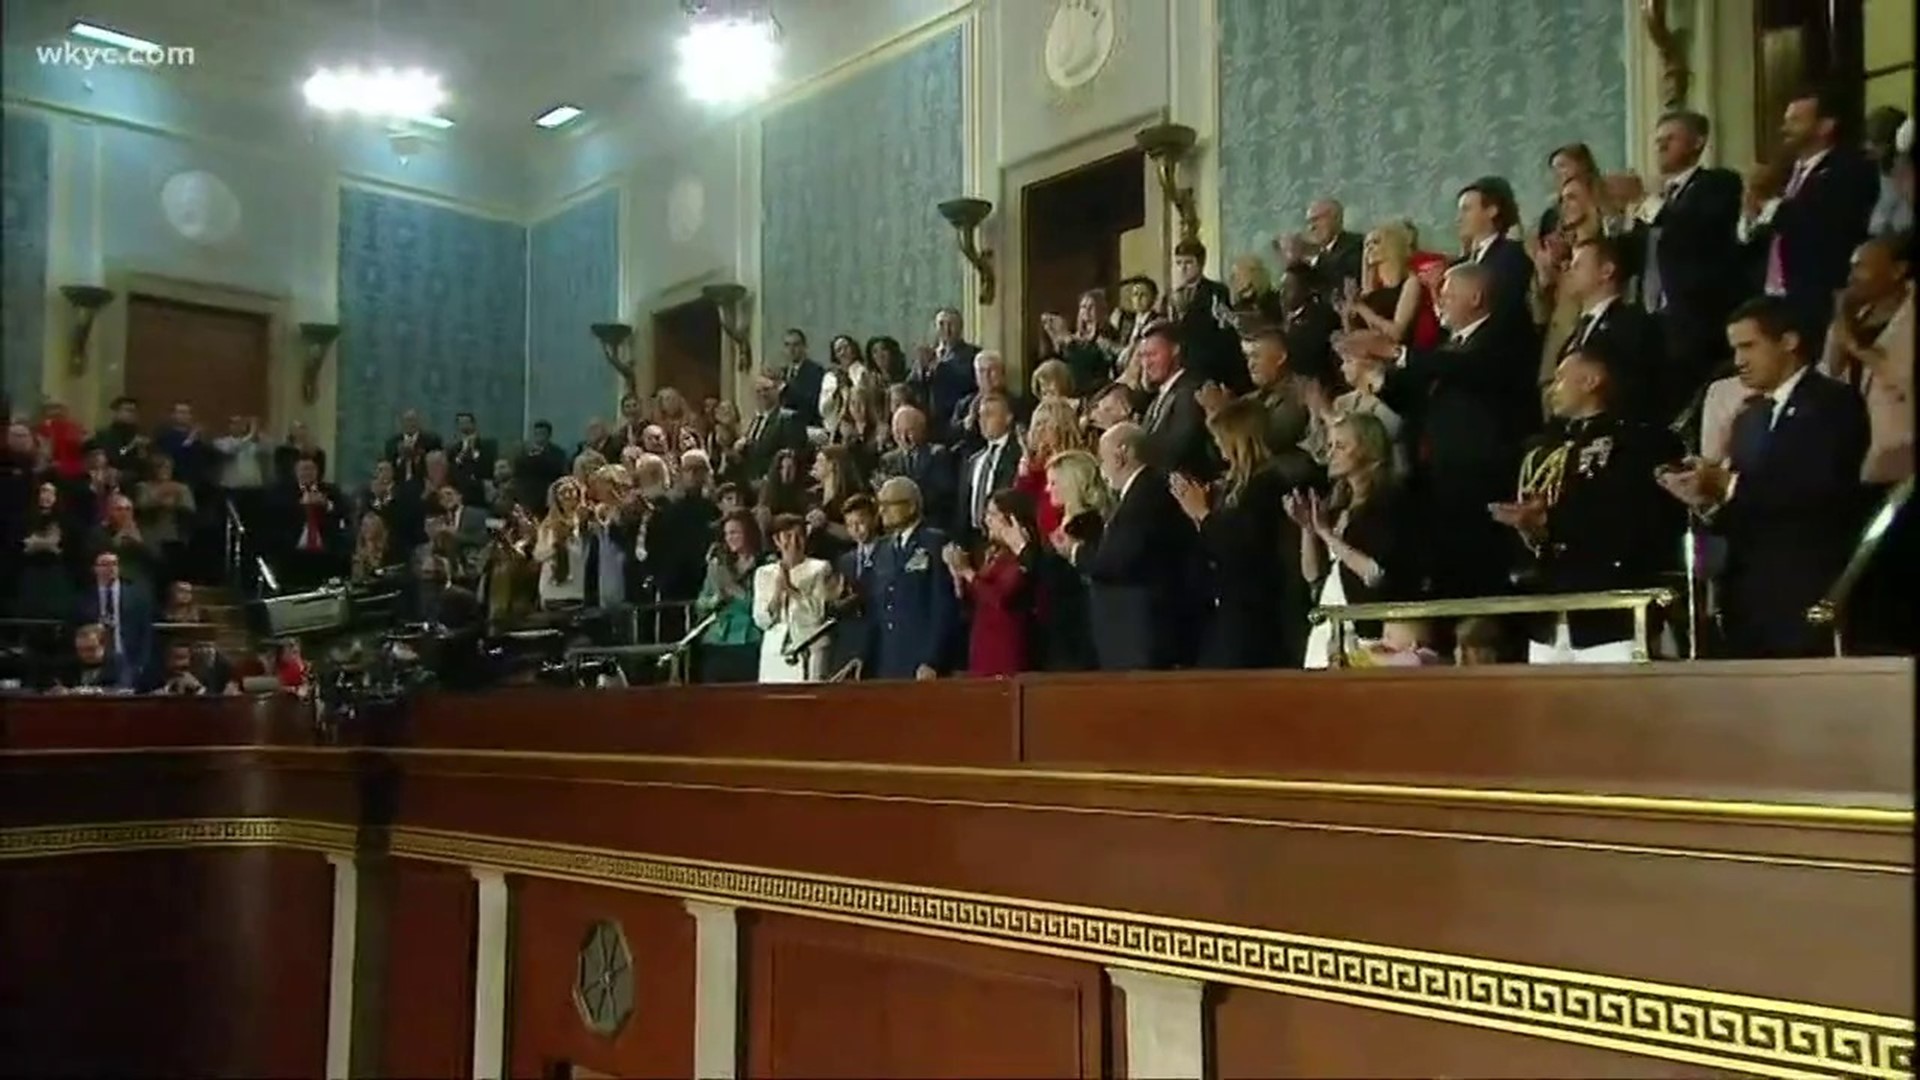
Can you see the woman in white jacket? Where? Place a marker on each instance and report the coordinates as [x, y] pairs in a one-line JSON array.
[[790, 598]]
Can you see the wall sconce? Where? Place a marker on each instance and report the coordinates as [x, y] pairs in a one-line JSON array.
[[965, 215], [1676, 77], [730, 300], [316, 340], [1167, 146], [614, 339], [86, 301]]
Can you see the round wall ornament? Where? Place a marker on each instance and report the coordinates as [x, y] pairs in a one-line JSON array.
[[603, 980], [686, 209], [200, 207], [1079, 42]]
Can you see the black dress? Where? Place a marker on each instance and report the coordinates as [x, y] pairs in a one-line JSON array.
[[1063, 640], [1251, 622]]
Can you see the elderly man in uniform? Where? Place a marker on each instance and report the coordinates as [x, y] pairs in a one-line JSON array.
[[1591, 512], [911, 588]]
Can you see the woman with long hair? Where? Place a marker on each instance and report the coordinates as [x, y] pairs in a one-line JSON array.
[[1073, 484], [1251, 622], [1393, 300], [1351, 546], [372, 549], [1087, 348], [791, 595], [510, 583], [846, 375], [560, 547], [838, 480], [730, 648], [1053, 381], [1053, 429], [863, 426], [886, 359], [1000, 596], [723, 433], [784, 491], [47, 554]]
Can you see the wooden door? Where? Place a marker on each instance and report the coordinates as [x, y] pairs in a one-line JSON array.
[[686, 350], [1072, 224], [211, 358]]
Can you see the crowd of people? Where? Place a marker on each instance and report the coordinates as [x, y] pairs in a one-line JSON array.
[[1702, 372]]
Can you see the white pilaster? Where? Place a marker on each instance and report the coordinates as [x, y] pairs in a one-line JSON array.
[[1166, 1024], [490, 976], [716, 994], [346, 920]]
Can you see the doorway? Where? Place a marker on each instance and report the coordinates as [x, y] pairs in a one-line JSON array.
[[215, 359], [686, 350], [1861, 50], [1074, 224]]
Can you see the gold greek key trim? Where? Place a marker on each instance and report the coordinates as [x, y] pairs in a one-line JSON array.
[[1758, 1036], [1880, 818], [87, 839]]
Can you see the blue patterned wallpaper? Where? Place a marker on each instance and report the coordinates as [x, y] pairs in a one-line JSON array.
[[1392, 106], [24, 226], [849, 238], [433, 316], [573, 281]]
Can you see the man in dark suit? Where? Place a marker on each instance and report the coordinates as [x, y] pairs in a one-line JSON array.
[[801, 379], [912, 591], [471, 455], [1689, 280], [1174, 426], [93, 667], [1330, 249], [928, 465], [1310, 323], [989, 377], [943, 373], [1805, 237], [991, 468], [310, 520], [1614, 325], [1201, 310], [1469, 403], [854, 607], [124, 612], [1486, 213], [408, 448], [1788, 500], [776, 427], [538, 464], [1140, 571]]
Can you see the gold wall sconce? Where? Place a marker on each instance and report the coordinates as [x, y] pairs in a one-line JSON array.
[[730, 301], [86, 302], [965, 215], [316, 341], [1676, 76], [1167, 146], [616, 340]]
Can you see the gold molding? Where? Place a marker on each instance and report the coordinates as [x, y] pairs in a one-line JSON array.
[[1753, 1035], [1866, 817]]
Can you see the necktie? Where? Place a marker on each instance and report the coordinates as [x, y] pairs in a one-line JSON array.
[[1580, 331], [1776, 283], [759, 423], [108, 613], [1154, 410], [983, 483], [1751, 429]]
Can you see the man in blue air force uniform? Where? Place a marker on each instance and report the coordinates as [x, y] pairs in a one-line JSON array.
[[911, 589]]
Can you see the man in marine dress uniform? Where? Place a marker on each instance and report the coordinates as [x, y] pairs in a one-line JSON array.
[[1591, 512]]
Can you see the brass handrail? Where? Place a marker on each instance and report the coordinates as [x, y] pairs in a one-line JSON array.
[[1342, 616], [1830, 610], [848, 672]]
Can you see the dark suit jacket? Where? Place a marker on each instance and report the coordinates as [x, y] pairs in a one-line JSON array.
[[785, 429], [941, 388], [135, 630], [1005, 468], [1212, 351], [1309, 333], [1632, 339], [1140, 573], [1818, 227], [1177, 439], [913, 604], [1506, 260], [1339, 264], [1794, 516], [1694, 248], [800, 391], [854, 637], [931, 468], [1257, 614], [289, 519], [475, 467], [964, 432], [425, 443]]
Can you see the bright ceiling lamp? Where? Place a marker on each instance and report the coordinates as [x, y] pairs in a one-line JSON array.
[[384, 93], [731, 53]]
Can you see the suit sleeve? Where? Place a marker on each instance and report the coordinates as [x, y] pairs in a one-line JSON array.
[[943, 606], [1827, 478]]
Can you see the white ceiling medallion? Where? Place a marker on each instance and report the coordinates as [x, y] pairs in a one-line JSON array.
[[200, 207], [686, 209], [1080, 39]]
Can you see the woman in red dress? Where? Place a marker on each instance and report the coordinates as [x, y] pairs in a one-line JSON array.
[[1055, 427], [1000, 594]]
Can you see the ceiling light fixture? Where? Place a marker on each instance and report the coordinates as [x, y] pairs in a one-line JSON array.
[[731, 53], [556, 117], [385, 93], [115, 38]]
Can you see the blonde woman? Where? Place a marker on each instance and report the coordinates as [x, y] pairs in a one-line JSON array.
[[1054, 427], [1393, 300], [1053, 381], [1073, 485], [560, 547], [1241, 526], [790, 602], [372, 548], [1555, 308], [1350, 543]]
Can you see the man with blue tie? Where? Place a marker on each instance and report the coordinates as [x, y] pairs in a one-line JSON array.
[[853, 636], [914, 604], [124, 613], [1788, 500]]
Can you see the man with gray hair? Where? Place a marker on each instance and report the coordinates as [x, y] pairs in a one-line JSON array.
[[912, 591], [1139, 570]]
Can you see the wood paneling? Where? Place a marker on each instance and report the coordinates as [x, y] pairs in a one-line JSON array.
[[196, 963], [212, 358], [851, 1001], [551, 920], [1262, 1036], [427, 1024]]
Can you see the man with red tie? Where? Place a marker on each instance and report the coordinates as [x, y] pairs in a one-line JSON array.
[[313, 527]]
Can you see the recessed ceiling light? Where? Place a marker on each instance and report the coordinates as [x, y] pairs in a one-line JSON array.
[[112, 37], [558, 116]]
